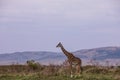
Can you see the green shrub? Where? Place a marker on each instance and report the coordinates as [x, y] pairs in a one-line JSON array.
[[33, 65]]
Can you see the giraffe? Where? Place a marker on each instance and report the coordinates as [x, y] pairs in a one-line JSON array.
[[73, 61]]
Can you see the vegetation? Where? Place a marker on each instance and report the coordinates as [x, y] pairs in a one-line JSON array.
[[35, 71]]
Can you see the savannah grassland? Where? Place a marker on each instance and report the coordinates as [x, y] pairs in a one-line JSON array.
[[35, 71]]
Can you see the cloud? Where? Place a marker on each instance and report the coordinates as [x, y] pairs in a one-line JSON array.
[[64, 7], [55, 20], [64, 13]]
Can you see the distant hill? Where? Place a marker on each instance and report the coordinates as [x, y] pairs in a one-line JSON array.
[[101, 55]]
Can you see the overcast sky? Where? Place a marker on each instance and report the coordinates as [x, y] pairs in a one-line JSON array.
[[38, 25]]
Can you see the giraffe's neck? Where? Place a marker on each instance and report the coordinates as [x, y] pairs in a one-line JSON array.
[[65, 51]]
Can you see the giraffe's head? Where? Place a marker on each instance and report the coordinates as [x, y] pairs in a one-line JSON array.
[[59, 44]]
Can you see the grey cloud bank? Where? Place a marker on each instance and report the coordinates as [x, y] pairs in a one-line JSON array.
[[35, 25]]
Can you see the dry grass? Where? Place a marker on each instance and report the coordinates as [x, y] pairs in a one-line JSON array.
[[56, 72]]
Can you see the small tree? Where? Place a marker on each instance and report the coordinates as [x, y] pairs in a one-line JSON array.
[[32, 64]]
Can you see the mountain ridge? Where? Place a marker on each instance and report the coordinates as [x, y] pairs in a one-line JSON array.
[[102, 54]]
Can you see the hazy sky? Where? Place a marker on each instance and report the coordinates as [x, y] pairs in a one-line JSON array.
[[38, 25]]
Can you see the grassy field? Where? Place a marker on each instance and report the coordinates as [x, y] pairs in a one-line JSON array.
[[54, 72], [58, 77]]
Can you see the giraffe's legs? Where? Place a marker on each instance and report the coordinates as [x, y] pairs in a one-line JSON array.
[[78, 70], [71, 71]]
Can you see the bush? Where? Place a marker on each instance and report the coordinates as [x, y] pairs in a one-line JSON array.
[[33, 65]]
